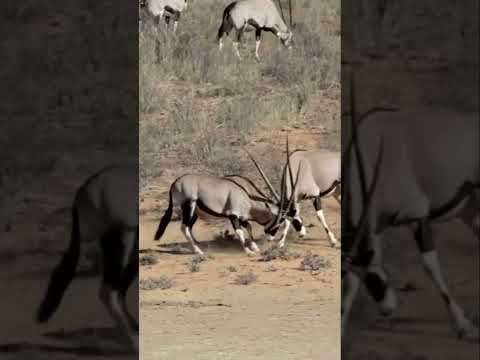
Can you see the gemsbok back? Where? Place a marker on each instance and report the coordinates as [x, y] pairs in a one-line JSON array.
[[253, 15], [319, 178], [406, 168], [172, 9], [105, 210], [224, 197]]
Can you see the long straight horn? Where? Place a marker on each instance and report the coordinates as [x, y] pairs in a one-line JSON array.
[[281, 9], [366, 209], [290, 13], [289, 165], [269, 184], [361, 168], [282, 197], [292, 195]]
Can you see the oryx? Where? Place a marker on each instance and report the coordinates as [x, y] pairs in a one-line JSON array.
[[410, 168], [105, 210], [249, 15], [227, 198], [172, 9], [319, 178]]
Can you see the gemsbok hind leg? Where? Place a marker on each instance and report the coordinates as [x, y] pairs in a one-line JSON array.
[[236, 42], [239, 231], [118, 270], [317, 203], [463, 327], [189, 217]]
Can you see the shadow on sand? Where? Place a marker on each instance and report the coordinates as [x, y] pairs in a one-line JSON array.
[[104, 341]]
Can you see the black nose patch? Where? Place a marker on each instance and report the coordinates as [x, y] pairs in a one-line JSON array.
[[297, 224]]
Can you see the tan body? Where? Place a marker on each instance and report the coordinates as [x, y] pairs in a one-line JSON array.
[[320, 177], [105, 211], [416, 166], [169, 8], [253, 15], [218, 197]]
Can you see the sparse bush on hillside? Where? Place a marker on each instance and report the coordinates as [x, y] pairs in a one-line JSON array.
[[217, 100]]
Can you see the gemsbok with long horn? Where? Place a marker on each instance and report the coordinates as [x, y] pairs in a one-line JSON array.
[[105, 210], [253, 15], [223, 197], [406, 168], [172, 9], [320, 178]]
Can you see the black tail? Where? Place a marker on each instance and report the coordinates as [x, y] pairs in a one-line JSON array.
[[167, 217], [227, 25], [63, 273]]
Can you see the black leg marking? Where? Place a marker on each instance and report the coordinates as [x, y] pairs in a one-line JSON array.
[[317, 203], [376, 286], [258, 34], [424, 238]]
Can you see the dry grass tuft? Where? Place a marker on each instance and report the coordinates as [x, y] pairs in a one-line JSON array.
[[162, 283], [314, 262], [246, 279]]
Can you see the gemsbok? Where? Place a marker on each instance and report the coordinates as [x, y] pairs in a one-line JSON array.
[[406, 168], [105, 210], [172, 9], [224, 197], [319, 178], [253, 15]]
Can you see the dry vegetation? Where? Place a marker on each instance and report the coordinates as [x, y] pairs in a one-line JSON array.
[[188, 90]]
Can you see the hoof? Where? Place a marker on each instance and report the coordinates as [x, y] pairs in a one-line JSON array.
[[468, 333]]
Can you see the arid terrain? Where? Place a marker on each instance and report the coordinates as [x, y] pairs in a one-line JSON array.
[[198, 108], [286, 313]]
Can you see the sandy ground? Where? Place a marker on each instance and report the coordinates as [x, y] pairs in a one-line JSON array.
[[286, 313], [81, 327], [420, 328]]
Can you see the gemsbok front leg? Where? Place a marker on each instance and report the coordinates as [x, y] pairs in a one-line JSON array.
[[462, 326], [317, 203], [189, 217], [258, 39], [239, 231], [252, 245]]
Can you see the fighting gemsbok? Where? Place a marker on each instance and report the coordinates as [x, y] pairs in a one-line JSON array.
[[411, 168], [224, 197], [319, 178], [105, 210], [172, 9], [249, 15]]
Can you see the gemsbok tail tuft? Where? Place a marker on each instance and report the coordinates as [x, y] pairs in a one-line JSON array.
[[167, 217], [227, 25]]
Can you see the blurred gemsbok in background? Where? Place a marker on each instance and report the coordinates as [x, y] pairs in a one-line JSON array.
[[105, 210], [172, 9], [250, 15], [412, 168]]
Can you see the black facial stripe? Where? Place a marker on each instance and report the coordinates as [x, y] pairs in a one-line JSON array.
[[376, 286]]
